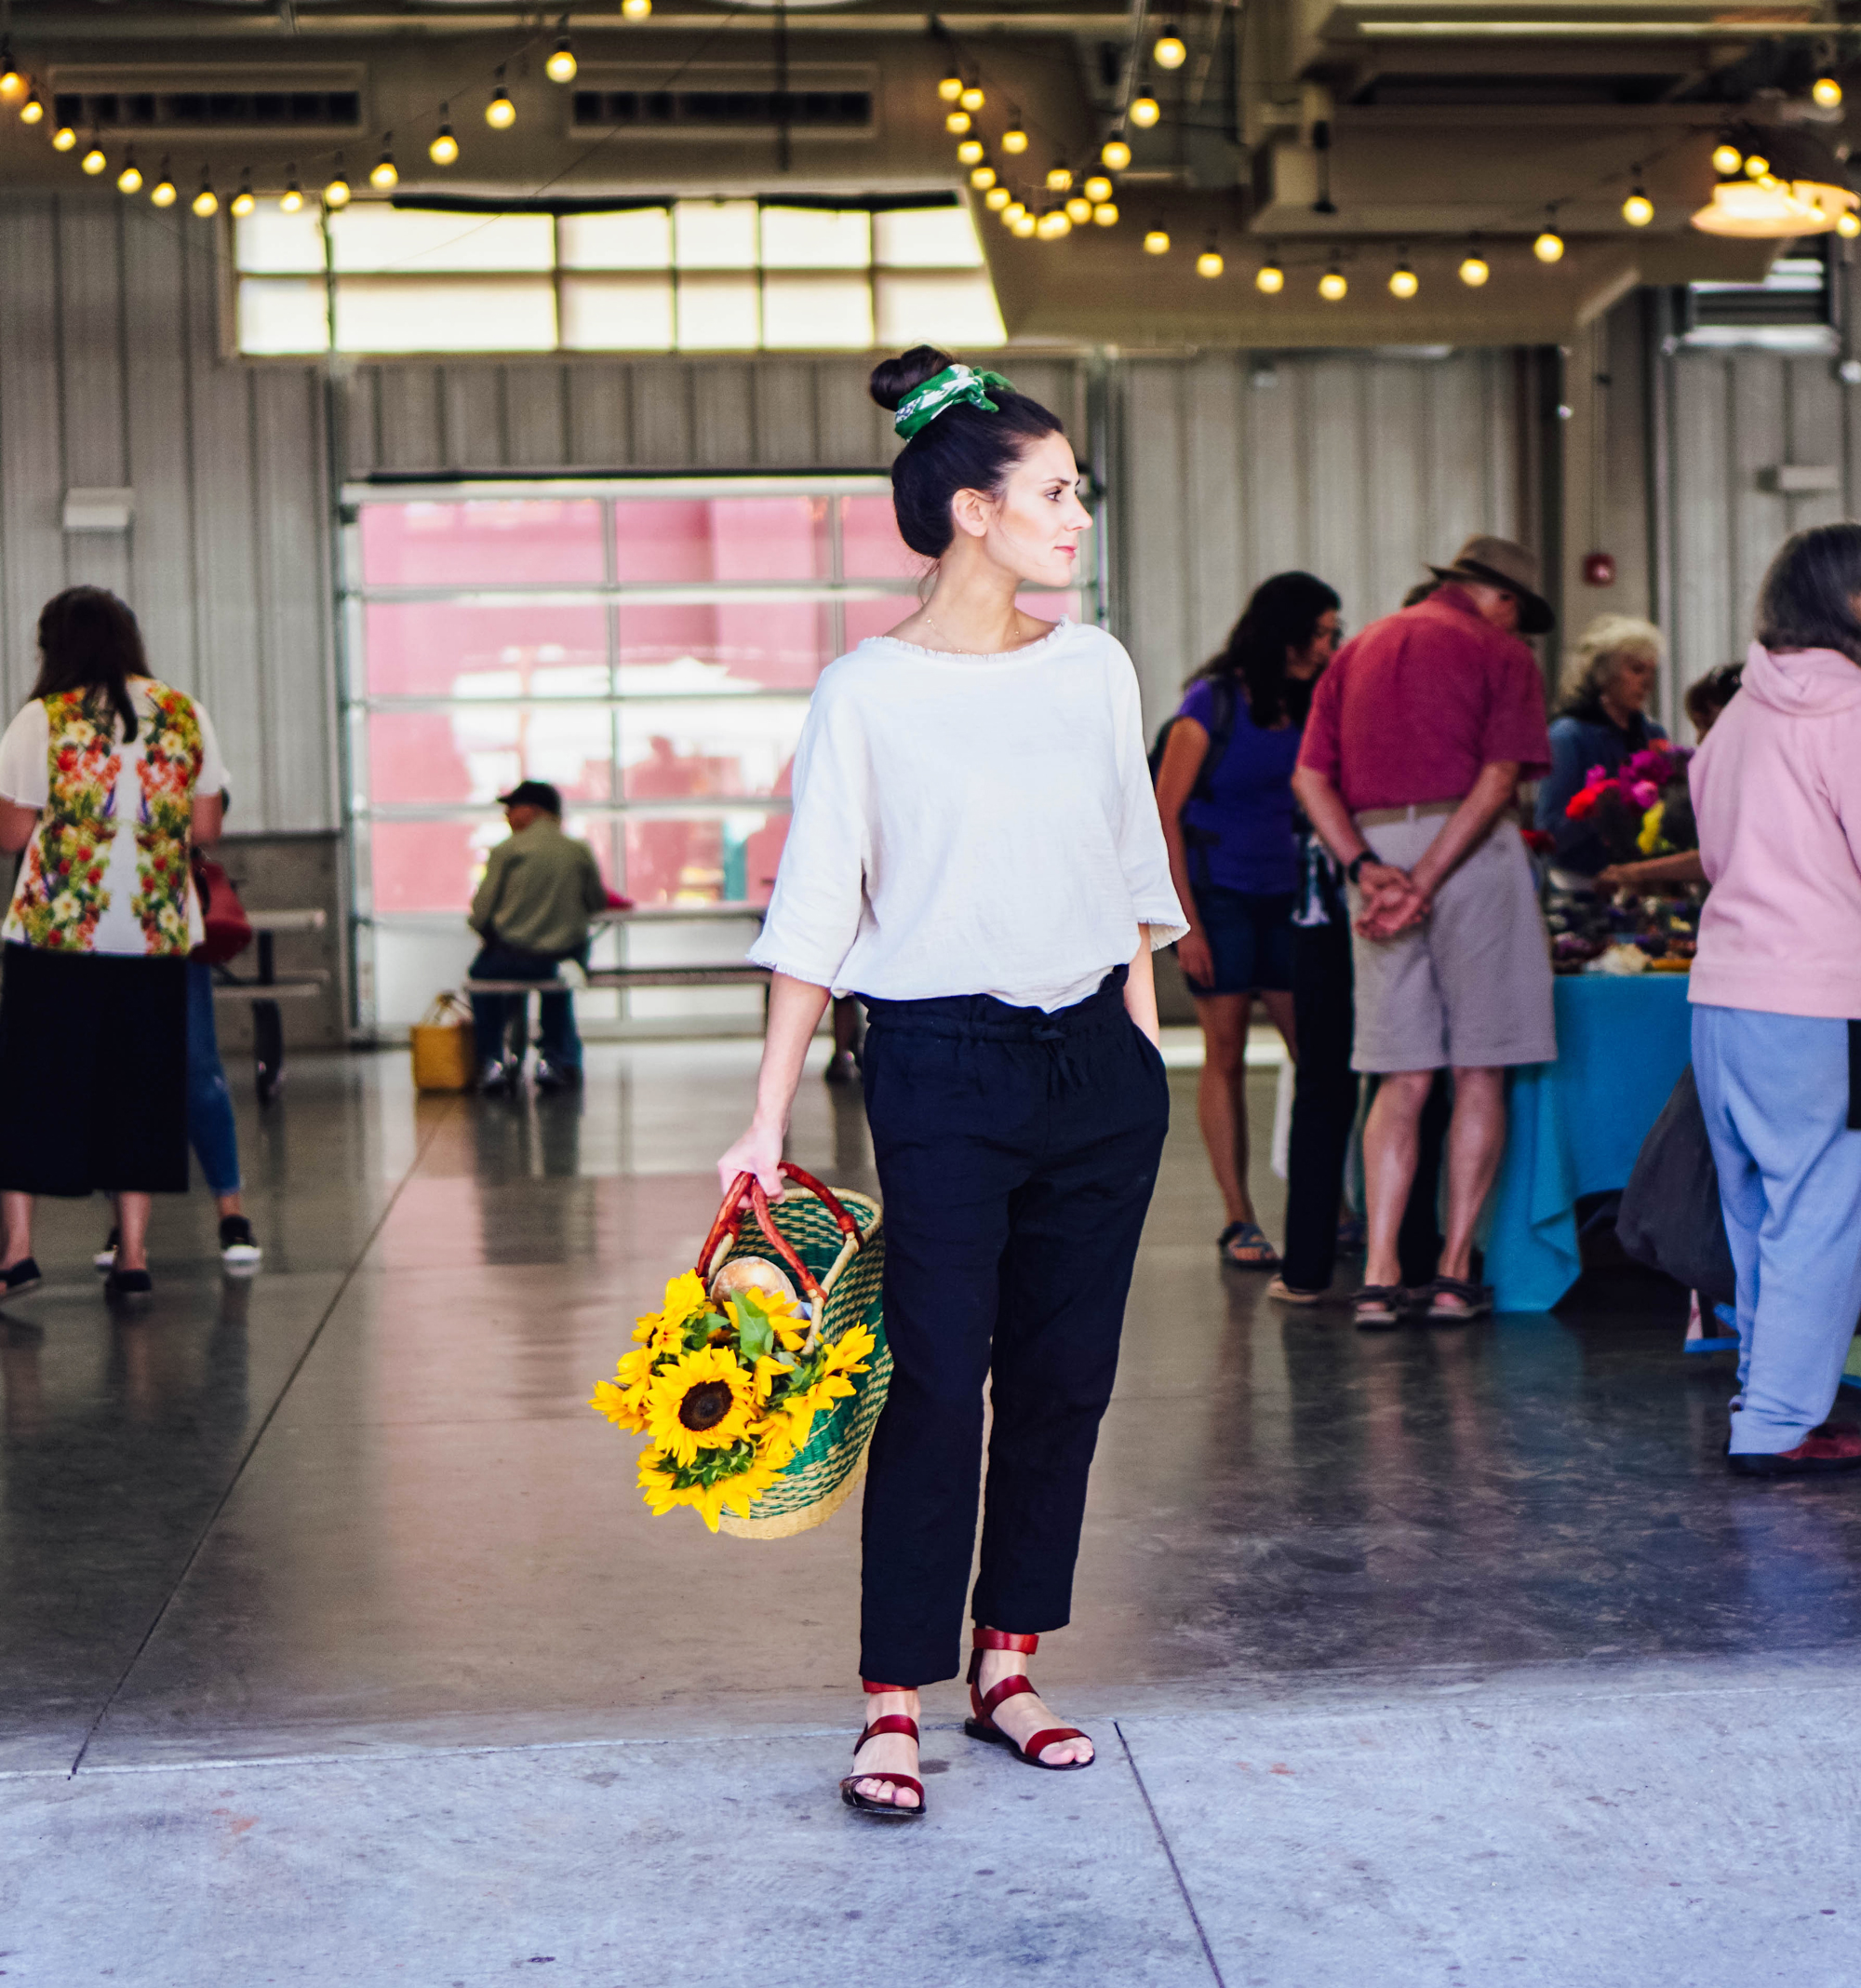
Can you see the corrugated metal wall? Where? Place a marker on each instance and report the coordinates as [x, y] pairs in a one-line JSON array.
[[1356, 466]]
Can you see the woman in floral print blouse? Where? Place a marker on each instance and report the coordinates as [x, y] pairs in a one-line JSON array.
[[108, 779]]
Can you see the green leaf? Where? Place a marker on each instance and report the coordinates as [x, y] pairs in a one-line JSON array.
[[756, 1338]]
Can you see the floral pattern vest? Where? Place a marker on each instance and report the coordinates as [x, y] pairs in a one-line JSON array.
[[61, 894]]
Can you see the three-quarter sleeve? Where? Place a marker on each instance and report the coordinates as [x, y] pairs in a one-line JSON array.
[[1143, 853], [819, 899], [25, 764]]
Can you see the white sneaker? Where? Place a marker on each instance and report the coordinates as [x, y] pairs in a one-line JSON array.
[[105, 1258], [238, 1247]]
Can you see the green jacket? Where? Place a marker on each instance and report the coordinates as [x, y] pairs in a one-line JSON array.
[[539, 888]]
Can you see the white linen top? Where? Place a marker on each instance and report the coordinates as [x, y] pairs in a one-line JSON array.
[[971, 825]]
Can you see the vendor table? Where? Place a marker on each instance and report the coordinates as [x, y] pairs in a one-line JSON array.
[[1574, 1126]]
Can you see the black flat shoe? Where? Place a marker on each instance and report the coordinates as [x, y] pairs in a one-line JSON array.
[[129, 1283], [21, 1277]]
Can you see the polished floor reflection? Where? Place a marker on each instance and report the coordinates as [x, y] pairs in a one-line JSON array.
[[358, 1500]]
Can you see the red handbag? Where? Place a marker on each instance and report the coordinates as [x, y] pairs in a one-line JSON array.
[[228, 930]]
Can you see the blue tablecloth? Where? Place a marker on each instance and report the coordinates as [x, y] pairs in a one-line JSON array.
[[1575, 1125]]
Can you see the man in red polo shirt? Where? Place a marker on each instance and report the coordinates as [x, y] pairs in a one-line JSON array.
[[1418, 735]]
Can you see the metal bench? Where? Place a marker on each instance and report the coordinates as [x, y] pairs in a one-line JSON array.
[[265, 990]]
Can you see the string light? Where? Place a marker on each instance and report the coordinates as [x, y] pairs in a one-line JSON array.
[[957, 122], [1209, 263], [163, 194], [1144, 111], [972, 97], [1014, 139], [1549, 246], [1726, 158], [1269, 279], [1156, 242], [1055, 224], [1757, 166], [1059, 179], [1106, 214], [1025, 224], [32, 111], [292, 198], [970, 153], [244, 201], [94, 161], [129, 180], [206, 201], [997, 198], [636, 9], [1403, 281], [1115, 152], [1168, 52], [1013, 211], [336, 195], [444, 150], [1847, 225], [983, 178], [561, 65], [384, 174], [63, 139], [1475, 269], [1097, 189], [12, 83], [500, 114], [1078, 210], [1826, 91], [951, 88], [1331, 285], [1637, 210]]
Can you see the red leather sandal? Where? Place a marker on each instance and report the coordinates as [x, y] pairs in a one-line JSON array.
[[893, 1722], [983, 1725]]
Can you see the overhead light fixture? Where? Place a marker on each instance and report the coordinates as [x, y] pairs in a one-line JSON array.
[[1169, 51], [1757, 166], [129, 180], [1156, 242], [164, 193], [972, 98], [1025, 224], [636, 9], [1055, 224], [94, 160], [970, 153], [32, 111], [206, 201], [1106, 214], [1331, 285], [1078, 210], [1474, 269], [444, 150], [1059, 179], [1115, 153], [337, 194], [384, 175], [500, 114], [957, 122], [63, 139], [1403, 281], [1727, 160], [1637, 210], [1012, 212], [1847, 225], [561, 65], [1144, 111], [1097, 189], [1014, 139], [245, 200], [1826, 91], [291, 199], [1549, 246], [951, 88], [1269, 279], [997, 198], [983, 178], [1795, 186], [1209, 263], [12, 83]]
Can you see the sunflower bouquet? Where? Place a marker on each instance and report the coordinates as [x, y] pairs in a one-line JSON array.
[[727, 1394]]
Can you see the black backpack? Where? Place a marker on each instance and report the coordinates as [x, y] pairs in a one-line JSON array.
[[1220, 733]]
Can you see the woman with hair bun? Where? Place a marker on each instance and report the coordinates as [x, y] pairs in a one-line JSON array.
[[975, 852]]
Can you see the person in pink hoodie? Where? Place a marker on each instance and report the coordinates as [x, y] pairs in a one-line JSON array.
[[1776, 994]]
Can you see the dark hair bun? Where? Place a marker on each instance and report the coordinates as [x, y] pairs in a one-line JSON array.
[[893, 379]]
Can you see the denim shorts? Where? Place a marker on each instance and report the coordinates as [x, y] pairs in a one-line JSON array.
[[1251, 935]]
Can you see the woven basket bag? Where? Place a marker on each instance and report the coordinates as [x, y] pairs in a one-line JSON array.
[[833, 1245]]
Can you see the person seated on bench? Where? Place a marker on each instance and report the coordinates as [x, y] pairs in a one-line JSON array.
[[532, 911]]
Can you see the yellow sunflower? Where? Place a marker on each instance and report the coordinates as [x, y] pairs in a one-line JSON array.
[[702, 1401], [780, 1310], [684, 1299], [659, 1480], [622, 1400]]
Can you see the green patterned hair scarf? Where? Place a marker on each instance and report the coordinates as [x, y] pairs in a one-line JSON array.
[[922, 405]]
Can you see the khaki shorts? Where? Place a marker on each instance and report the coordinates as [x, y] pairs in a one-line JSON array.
[[1469, 989]]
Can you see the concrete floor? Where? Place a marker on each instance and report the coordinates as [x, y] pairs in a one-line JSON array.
[[336, 1645]]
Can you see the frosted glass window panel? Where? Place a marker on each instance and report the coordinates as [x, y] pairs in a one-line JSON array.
[[719, 313], [812, 239], [670, 539], [639, 241], [942, 237], [870, 546], [729, 748], [283, 314], [474, 752], [817, 313], [429, 866], [486, 541], [723, 649], [716, 233], [704, 857], [371, 238], [954, 307], [617, 312], [271, 243], [444, 314]]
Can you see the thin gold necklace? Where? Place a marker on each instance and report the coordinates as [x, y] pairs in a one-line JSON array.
[[931, 621]]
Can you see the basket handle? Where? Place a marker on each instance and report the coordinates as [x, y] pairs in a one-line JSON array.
[[746, 1186]]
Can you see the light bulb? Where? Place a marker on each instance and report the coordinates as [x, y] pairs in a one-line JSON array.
[[384, 173], [336, 195], [1054, 224], [981, 178], [636, 9], [1059, 179], [94, 161], [1169, 51], [1209, 263], [444, 150], [63, 139], [1726, 159], [1474, 271], [1144, 111], [1403, 281], [1012, 213], [1097, 189], [1757, 166], [972, 97], [1269, 279], [129, 180], [1156, 242], [1078, 210], [1549, 247], [951, 88], [1014, 139], [32, 111], [1025, 224], [997, 198], [163, 194], [206, 201], [1847, 225], [561, 65], [500, 114], [1827, 92], [291, 199], [1637, 210], [12, 83], [1332, 286], [1116, 154], [1106, 214], [957, 122], [970, 153], [244, 202]]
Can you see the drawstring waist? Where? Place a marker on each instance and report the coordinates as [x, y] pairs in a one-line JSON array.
[[981, 1018]]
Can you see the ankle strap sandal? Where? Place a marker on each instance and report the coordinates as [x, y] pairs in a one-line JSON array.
[[895, 1722], [983, 1726]]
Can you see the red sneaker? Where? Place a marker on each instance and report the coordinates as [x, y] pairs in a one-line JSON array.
[[1834, 1446]]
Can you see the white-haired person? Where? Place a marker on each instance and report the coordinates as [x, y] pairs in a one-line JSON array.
[[1602, 721]]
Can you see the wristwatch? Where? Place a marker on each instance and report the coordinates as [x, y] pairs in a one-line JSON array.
[[1357, 863]]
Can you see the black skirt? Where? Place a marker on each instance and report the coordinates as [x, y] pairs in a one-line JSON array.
[[93, 1073]]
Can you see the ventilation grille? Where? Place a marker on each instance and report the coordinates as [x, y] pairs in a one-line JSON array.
[[1793, 310], [839, 101], [208, 100]]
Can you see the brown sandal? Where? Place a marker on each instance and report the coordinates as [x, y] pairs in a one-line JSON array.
[[893, 1722], [983, 1725]]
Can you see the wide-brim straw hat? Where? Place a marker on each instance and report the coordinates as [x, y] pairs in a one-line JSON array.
[[1498, 562]]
